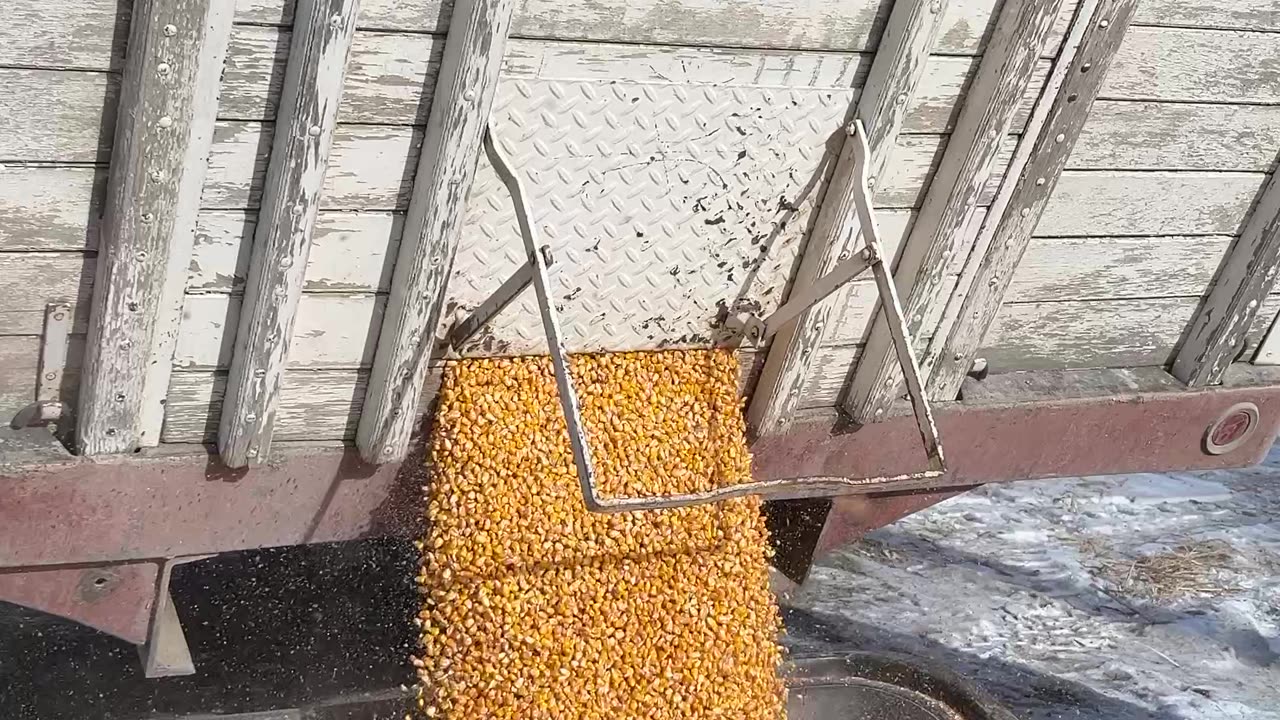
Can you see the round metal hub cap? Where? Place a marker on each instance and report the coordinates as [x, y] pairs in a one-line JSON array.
[[1231, 429]]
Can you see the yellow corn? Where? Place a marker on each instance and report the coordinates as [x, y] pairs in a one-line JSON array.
[[535, 608]]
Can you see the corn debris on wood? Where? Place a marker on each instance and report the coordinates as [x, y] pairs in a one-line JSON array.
[[535, 608]]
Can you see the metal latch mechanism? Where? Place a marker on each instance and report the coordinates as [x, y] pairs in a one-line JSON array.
[[754, 329], [48, 406]]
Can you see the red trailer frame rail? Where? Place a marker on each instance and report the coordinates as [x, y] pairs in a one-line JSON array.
[[63, 516]]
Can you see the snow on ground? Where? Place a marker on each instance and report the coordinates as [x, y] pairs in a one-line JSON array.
[[1147, 596]]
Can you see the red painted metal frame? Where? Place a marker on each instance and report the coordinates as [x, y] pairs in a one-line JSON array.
[[57, 518], [149, 507]]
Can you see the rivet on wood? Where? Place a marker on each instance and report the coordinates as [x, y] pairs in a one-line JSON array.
[[250, 417], [1040, 181], [1025, 212], [165, 121], [162, 69], [1086, 67], [336, 20], [1104, 23], [58, 316], [313, 131], [140, 255], [170, 30], [147, 218], [935, 7], [259, 373], [1060, 137], [51, 376], [469, 95], [902, 98], [119, 397], [297, 209], [111, 432], [871, 181], [157, 175]]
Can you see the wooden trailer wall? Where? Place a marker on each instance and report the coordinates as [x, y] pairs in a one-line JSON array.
[[675, 153]]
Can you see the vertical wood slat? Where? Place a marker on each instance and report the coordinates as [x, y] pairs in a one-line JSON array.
[[1269, 349], [1220, 327], [1004, 73], [896, 71], [305, 123], [1056, 122], [167, 106], [460, 108]]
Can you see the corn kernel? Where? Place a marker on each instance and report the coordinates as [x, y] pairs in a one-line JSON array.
[[534, 607]]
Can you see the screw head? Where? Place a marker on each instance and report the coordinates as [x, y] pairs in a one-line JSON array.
[[170, 30], [1040, 181], [147, 217], [59, 316], [250, 417], [1104, 23], [1060, 137], [51, 376], [1024, 212], [163, 69], [111, 432], [165, 121], [119, 397], [297, 210], [469, 95], [156, 175], [313, 131]]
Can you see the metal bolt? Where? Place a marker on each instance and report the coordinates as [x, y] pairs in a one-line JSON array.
[[388, 450], [147, 217], [250, 417], [259, 373], [1025, 212], [313, 131], [865, 254], [902, 98], [59, 316], [993, 281], [958, 356], [162, 69], [871, 181], [935, 7], [1040, 181], [1060, 137], [469, 95], [119, 397], [286, 263], [252, 453], [1086, 67], [140, 255], [1104, 23], [170, 30], [111, 432], [879, 412], [165, 121], [51, 376], [297, 209], [156, 175]]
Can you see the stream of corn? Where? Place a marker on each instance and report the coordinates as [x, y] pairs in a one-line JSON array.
[[534, 607]]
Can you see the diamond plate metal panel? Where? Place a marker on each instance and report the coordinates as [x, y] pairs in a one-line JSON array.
[[660, 202]]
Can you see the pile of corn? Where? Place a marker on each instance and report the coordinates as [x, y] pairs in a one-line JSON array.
[[535, 608]]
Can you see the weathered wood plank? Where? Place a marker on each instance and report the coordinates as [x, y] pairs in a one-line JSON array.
[[1177, 136], [86, 34], [1269, 349], [1213, 14], [19, 373], [1247, 274], [314, 404], [1087, 55], [331, 331], [846, 25], [304, 131], [49, 208], [390, 90], [166, 112], [967, 165], [29, 281], [1058, 335], [370, 168], [1187, 65], [74, 124], [459, 117], [1149, 203], [350, 252], [1113, 268], [899, 65]]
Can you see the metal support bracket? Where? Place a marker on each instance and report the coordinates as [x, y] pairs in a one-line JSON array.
[[871, 257], [48, 406]]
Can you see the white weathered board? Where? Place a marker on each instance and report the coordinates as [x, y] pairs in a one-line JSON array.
[[842, 25], [91, 35], [32, 280], [1057, 335], [1189, 65], [20, 370], [1178, 136]]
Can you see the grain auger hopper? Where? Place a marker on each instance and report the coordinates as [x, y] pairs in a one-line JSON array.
[[747, 326]]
